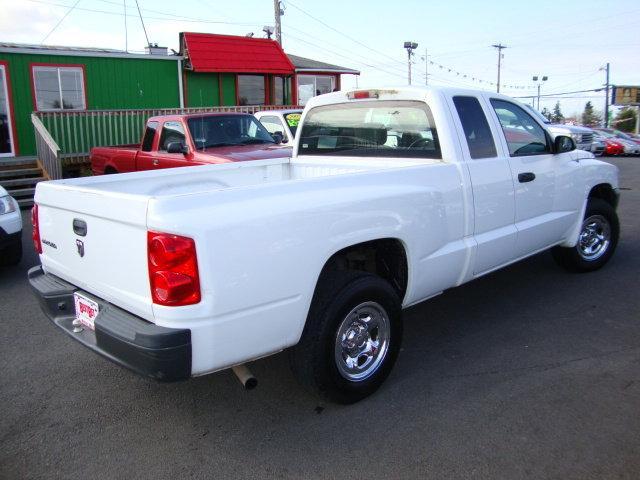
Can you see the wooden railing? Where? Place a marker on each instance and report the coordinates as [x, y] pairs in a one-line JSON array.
[[77, 132], [48, 150]]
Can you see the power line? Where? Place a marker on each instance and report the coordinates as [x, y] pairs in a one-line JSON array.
[[343, 34], [345, 56], [60, 21], [175, 18], [563, 93]]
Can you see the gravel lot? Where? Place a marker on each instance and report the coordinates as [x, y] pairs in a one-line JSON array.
[[529, 372]]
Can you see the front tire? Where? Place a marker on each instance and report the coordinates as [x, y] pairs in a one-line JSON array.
[[351, 338], [597, 240]]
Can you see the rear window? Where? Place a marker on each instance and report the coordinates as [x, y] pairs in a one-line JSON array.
[[403, 129]]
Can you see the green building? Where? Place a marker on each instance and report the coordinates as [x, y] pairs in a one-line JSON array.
[[67, 84], [50, 79]]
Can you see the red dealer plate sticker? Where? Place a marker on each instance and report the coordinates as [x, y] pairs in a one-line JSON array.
[[86, 310]]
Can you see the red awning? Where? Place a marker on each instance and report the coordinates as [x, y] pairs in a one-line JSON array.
[[228, 53]]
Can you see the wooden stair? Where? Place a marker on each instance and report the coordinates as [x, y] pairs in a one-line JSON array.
[[19, 177]]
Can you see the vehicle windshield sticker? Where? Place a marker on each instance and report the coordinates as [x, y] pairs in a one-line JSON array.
[[293, 119]]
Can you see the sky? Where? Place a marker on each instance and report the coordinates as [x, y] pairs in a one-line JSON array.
[[568, 41]]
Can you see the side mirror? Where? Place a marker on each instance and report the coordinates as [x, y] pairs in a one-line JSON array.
[[177, 147], [278, 137], [562, 144]]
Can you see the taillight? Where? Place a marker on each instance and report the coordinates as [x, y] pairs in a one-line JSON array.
[[173, 269], [35, 233]]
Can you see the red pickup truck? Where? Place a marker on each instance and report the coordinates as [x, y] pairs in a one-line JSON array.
[[197, 139]]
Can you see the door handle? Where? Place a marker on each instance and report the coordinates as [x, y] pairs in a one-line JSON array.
[[526, 177], [155, 161]]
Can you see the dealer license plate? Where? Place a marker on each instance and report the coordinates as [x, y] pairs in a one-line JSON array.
[[86, 310]]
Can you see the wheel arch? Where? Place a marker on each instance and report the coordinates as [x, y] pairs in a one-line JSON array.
[[385, 257], [606, 192]]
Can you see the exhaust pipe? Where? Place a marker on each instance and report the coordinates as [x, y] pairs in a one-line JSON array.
[[248, 381]]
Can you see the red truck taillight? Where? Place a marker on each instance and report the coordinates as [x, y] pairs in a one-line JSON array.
[[35, 234], [173, 269]]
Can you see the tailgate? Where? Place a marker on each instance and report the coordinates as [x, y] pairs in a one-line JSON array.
[[110, 260]]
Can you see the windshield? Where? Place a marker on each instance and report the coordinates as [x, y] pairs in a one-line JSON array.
[[371, 129], [292, 120], [226, 130]]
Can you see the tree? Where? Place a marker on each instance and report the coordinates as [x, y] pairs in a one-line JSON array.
[[590, 118], [546, 113], [625, 119], [556, 116]]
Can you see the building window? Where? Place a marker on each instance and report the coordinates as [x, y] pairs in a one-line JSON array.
[[311, 85], [280, 90], [251, 90], [59, 88]]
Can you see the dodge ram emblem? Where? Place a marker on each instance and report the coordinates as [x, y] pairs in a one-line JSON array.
[[80, 245]]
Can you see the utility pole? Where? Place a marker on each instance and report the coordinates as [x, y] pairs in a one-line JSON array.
[[126, 32], [426, 67], [543, 79], [500, 47], [277, 10], [410, 46], [606, 99]]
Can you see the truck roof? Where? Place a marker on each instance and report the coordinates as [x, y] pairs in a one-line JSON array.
[[408, 92], [185, 116]]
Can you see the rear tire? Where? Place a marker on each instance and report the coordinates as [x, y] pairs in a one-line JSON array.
[[351, 338], [597, 240]]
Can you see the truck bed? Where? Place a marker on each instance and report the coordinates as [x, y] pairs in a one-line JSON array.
[[200, 179], [124, 154]]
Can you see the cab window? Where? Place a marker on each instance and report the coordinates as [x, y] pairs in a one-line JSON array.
[[523, 134], [272, 124], [475, 126]]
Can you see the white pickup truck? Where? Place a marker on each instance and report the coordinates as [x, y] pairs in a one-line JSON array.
[[391, 197]]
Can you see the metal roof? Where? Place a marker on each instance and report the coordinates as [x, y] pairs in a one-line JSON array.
[[78, 51], [308, 65], [206, 52]]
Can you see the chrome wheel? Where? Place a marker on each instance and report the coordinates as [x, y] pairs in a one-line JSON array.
[[595, 238], [362, 341]]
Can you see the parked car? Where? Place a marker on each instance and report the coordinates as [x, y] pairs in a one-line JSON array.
[[10, 229], [620, 134], [186, 140], [583, 136], [629, 146], [611, 146], [598, 147], [281, 123], [392, 196]]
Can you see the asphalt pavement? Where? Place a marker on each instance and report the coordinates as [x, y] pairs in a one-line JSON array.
[[529, 372]]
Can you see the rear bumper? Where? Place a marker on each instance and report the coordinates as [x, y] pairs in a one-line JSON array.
[[161, 353]]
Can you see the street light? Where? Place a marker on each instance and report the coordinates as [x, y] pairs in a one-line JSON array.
[[543, 79], [410, 46]]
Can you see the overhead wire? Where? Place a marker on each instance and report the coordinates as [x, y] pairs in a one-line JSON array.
[[60, 21], [175, 18]]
